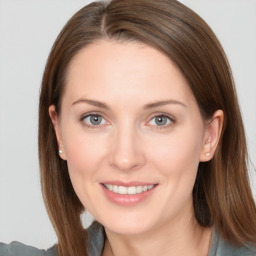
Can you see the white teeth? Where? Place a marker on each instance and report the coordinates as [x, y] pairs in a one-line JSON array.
[[122, 190], [131, 190], [150, 186], [139, 189], [128, 190], [115, 188]]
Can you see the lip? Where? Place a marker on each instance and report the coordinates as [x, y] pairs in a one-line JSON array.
[[127, 200], [127, 184]]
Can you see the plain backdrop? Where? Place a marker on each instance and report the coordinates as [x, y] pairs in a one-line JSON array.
[[28, 29]]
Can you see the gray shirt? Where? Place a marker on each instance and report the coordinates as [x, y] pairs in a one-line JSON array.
[[96, 233]]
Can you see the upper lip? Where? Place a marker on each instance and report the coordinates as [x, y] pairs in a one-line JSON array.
[[128, 184]]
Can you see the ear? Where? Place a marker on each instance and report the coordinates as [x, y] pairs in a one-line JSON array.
[[56, 124], [213, 131]]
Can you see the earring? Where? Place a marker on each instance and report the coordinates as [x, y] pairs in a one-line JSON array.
[[207, 154], [60, 151]]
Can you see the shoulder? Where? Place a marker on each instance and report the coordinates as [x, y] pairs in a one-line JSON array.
[[220, 247], [96, 237], [19, 249]]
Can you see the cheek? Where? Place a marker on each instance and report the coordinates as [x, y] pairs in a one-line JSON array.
[[179, 153], [84, 154], [178, 167]]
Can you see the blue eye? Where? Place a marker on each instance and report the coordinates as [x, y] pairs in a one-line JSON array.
[[94, 120], [160, 120]]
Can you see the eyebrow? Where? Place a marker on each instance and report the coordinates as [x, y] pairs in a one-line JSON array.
[[92, 102], [162, 103], [147, 106]]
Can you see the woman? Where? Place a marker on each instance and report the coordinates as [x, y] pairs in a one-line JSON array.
[[139, 125]]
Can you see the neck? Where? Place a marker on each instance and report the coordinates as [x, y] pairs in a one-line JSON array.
[[171, 240]]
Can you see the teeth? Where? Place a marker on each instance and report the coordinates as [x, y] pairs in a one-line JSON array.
[[150, 187], [122, 190], [131, 190], [139, 189], [128, 190], [115, 188]]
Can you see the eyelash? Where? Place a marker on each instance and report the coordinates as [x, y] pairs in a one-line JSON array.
[[161, 115], [82, 119]]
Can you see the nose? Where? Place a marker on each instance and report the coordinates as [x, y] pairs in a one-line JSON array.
[[126, 150]]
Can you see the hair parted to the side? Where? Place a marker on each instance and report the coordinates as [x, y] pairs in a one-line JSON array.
[[222, 194]]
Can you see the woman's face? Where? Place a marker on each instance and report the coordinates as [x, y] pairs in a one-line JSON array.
[[131, 132]]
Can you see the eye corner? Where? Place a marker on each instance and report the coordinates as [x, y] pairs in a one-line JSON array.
[[164, 121], [93, 120]]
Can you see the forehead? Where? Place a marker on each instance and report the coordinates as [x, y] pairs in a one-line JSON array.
[[131, 57], [113, 69]]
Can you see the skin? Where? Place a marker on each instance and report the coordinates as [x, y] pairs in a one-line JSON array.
[[129, 145]]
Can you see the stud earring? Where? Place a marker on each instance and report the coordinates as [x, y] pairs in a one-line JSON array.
[[60, 151], [207, 154]]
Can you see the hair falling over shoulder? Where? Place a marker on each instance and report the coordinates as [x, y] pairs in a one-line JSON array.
[[222, 194]]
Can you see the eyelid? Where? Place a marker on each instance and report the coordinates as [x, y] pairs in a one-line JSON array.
[[154, 115], [161, 114], [82, 118]]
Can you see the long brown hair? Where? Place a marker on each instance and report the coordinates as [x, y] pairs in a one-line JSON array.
[[222, 194]]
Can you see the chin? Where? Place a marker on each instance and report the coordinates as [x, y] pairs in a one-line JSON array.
[[128, 224], [124, 229]]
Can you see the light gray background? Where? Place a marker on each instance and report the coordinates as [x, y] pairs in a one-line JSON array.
[[27, 32]]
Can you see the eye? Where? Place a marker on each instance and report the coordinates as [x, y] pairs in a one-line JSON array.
[[94, 120], [160, 120]]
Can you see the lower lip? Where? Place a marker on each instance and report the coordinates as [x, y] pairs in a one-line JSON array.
[[127, 200]]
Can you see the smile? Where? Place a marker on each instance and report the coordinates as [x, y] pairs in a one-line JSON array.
[[133, 190]]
